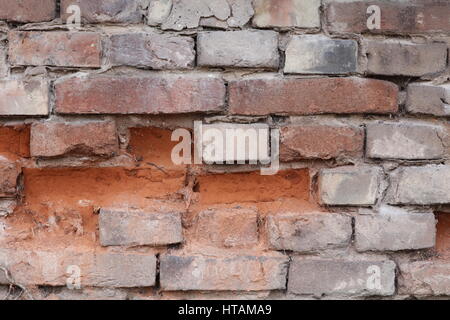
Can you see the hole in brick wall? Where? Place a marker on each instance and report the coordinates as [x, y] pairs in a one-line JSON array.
[[253, 187], [443, 234], [15, 140], [153, 146]]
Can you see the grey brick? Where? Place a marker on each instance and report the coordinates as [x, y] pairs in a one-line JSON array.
[[321, 55], [395, 229], [237, 273], [155, 51], [420, 185], [351, 186], [122, 227], [427, 98], [238, 48], [50, 268], [302, 232], [341, 277], [404, 140], [182, 14], [402, 58]]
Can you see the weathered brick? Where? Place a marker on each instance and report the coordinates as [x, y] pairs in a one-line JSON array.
[[51, 139], [238, 49], [286, 13], [128, 227], [228, 227], [100, 11], [241, 142], [51, 268], [237, 273], [404, 140], [62, 49], [155, 51], [312, 141], [58, 293], [342, 277], [9, 171], [156, 94], [3, 62], [263, 96], [395, 229], [420, 185], [425, 278], [181, 14], [27, 10], [7, 207], [24, 97], [418, 16], [307, 232], [321, 55], [349, 185], [404, 58], [427, 98]]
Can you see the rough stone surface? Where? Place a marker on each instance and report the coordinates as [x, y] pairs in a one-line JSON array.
[[7, 207], [320, 142], [237, 273], [235, 227], [341, 277], [122, 227], [321, 55], [3, 62], [286, 13], [427, 98], [307, 232], [158, 94], [27, 10], [349, 185], [51, 139], [24, 97], [271, 95], [238, 49], [405, 140], [424, 278], [62, 49], [50, 268], [182, 14], [402, 58], [418, 16], [9, 171], [420, 185], [394, 229], [153, 51], [100, 11]]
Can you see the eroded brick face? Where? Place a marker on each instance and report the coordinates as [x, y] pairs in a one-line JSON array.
[[122, 169]]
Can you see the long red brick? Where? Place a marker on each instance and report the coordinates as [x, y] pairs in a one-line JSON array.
[[157, 94], [263, 96]]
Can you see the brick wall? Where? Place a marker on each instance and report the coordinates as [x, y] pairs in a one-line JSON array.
[[93, 207]]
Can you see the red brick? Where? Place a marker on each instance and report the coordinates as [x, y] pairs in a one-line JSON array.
[[27, 10], [419, 16], [9, 171], [265, 96], [320, 141], [158, 94], [50, 139], [63, 49]]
